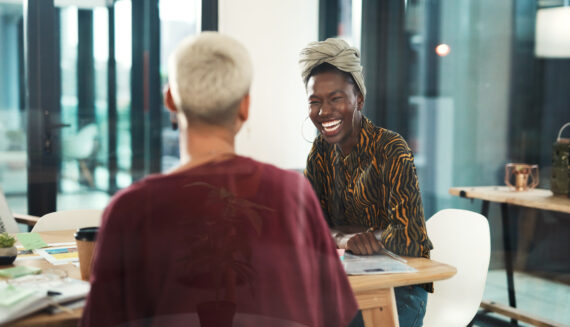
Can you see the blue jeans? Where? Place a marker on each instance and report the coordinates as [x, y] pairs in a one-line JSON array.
[[411, 302]]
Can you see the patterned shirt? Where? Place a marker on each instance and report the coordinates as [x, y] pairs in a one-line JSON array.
[[375, 185]]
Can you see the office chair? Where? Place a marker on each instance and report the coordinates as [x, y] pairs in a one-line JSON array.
[[460, 238], [83, 147], [68, 219]]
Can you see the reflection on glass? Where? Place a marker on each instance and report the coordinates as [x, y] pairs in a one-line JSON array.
[[178, 19], [13, 156]]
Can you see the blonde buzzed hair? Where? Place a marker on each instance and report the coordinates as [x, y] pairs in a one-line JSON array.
[[209, 74]]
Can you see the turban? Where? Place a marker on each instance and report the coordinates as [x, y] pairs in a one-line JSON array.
[[336, 52]]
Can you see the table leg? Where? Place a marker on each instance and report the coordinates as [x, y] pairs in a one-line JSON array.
[[508, 257], [485, 209], [378, 308]]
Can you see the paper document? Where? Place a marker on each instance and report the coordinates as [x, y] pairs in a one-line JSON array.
[[60, 255], [373, 264], [28, 294]]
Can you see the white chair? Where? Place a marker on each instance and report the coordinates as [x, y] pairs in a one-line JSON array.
[[83, 147], [460, 238], [68, 219]]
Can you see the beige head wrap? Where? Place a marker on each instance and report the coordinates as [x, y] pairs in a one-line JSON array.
[[336, 52]]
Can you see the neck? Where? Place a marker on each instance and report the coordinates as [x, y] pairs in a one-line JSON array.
[[350, 144], [203, 143]]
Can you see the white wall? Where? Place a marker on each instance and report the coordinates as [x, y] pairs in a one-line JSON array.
[[274, 32]]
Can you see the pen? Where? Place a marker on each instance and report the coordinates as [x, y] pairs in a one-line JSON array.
[[394, 255], [378, 236]]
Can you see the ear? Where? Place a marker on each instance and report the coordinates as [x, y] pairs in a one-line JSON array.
[[243, 111], [169, 101], [359, 101]]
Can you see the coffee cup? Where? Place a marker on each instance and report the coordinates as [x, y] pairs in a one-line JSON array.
[[85, 238]]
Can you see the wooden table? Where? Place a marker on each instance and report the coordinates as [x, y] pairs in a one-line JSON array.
[[45, 319], [374, 293], [540, 199]]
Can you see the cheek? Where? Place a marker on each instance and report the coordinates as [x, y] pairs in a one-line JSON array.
[[313, 116]]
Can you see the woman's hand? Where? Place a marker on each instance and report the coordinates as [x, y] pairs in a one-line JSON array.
[[363, 244]]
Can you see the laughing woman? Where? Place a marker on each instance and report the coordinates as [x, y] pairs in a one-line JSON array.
[[364, 175]]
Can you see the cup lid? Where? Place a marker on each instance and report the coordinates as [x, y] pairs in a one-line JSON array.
[[86, 234]]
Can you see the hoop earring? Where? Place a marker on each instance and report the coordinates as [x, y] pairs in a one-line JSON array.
[[353, 114], [303, 130]]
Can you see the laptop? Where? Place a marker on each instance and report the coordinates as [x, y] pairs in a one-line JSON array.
[[7, 221]]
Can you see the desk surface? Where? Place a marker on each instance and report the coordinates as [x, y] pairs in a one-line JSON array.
[[428, 271], [44, 319], [536, 198], [363, 285]]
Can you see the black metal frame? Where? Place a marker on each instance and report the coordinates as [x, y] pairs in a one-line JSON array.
[[209, 15], [112, 115], [146, 98], [43, 106], [329, 18], [85, 69]]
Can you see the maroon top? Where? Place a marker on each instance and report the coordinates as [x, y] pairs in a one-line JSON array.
[[238, 230]]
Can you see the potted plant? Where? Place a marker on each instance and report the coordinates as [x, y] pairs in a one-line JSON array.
[[8, 251], [221, 252]]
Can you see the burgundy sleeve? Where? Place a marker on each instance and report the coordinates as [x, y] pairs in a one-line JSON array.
[[338, 300]]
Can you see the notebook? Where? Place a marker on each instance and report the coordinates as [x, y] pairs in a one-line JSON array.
[[26, 295]]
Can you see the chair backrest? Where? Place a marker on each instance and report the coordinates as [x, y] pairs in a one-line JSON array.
[[460, 238], [68, 219], [7, 221], [83, 144]]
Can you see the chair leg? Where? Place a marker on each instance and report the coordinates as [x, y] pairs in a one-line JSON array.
[[85, 171]]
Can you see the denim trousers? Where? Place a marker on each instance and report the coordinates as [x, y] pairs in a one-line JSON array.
[[411, 303]]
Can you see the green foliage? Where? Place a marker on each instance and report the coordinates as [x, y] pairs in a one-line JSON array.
[[6, 241]]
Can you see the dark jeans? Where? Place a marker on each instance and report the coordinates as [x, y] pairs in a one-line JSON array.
[[411, 302]]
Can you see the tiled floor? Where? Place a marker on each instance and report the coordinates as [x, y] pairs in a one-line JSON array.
[[537, 296]]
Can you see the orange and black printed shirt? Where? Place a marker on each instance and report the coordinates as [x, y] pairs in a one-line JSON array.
[[375, 185]]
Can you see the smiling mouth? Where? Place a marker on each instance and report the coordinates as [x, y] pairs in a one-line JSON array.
[[331, 127]]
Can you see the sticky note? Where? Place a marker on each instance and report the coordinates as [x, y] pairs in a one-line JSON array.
[[19, 271], [31, 241]]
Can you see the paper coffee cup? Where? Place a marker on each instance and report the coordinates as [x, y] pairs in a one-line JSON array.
[[85, 239]]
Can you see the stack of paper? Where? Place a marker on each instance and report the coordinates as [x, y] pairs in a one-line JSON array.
[[22, 296], [373, 264]]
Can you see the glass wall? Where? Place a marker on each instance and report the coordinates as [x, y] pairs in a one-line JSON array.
[[13, 157], [178, 19], [461, 81], [95, 134]]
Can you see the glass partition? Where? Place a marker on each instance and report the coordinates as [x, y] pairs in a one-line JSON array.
[[13, 156]]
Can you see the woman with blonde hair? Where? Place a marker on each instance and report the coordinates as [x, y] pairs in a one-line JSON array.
[[223, 238]]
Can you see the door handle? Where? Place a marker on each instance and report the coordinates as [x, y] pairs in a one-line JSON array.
[[47, 141], [58, 126]]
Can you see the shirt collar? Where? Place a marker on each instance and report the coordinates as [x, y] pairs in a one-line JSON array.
[[352, 158]]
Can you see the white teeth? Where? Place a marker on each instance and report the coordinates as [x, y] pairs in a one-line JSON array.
[[331, 126], [331, 123]]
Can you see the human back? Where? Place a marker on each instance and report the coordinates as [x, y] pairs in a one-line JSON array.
[[263, 216], [220, 228]]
